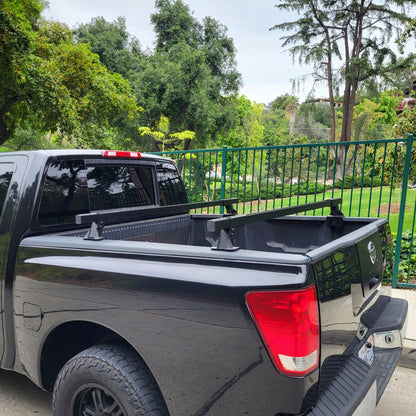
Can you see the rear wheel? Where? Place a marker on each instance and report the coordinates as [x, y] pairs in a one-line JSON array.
[[107, 380]]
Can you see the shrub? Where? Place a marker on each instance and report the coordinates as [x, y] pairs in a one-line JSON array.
[[281, 191], [359, 181], [407, 262]]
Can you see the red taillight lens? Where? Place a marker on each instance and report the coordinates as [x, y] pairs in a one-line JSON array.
[[288, 322], [119, 153]]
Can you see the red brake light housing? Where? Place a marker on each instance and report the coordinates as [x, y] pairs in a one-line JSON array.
[[119, 153], [288, 322]]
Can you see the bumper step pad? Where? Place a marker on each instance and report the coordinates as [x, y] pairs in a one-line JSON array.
[[351, 386]]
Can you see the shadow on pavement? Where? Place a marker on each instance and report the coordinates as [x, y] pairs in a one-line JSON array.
[[20, 397]]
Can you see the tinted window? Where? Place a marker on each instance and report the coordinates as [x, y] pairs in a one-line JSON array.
[[6, 173], [119, 186], [171, 189], [71, 188], [65, 193]]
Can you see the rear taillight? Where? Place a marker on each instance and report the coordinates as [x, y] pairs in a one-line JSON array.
[[119, 153], [288, 322]]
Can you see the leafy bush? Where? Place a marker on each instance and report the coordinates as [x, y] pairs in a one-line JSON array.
[[407, 262], [359, 181], [250, 191]]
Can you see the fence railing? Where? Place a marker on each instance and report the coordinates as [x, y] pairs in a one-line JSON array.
[[371, 177]]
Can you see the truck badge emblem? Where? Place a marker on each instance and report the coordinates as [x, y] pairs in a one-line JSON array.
[[372, 252]]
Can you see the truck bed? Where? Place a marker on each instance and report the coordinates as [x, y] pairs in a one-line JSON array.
[[297, 235]]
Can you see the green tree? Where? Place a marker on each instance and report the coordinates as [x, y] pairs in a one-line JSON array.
[[313, 39], [366, 118], [356, 32], [387, 105], [409, 32], [313, 121], [406, 122], [166, 140], [249, 131], [190, 76], [118, 50], [120, 53], [52, 84], [276, 127], [374, 119], [174, 24], [18, 21], [321, 113]]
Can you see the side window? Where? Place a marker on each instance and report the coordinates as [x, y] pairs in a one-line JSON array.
[[65, 193], [171, 189], [6, 173]]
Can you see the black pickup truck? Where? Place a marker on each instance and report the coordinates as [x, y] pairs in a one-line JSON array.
[[124, 299]]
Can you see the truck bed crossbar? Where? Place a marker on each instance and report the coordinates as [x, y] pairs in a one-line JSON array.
[[227, 223]]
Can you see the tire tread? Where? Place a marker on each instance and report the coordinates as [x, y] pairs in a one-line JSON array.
[[125, 368]]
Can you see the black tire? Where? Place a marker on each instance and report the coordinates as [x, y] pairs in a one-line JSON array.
[[108, 380]]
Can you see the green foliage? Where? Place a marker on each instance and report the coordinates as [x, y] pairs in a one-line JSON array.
[[27, 138], [250, 190], [322, 114], [278, 120], [283, 102], [356, 33], [276, 128], [393, 160], [249, 131], [313, 122], [407, 261], [121, 53], [406, 122], [18, 21], [53, 84], [191, 71], [387, 105], [374, 119], [365, 120], [174, 25], [409, 32], [167, 141], [359, 182], [117, 50]]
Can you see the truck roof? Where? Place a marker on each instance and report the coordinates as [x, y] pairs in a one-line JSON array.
[[56, 153]]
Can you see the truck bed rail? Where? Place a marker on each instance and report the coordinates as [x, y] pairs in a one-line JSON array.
[[98, 219]]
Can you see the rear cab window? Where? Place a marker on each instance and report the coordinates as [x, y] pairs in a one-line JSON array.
[[73, 187]]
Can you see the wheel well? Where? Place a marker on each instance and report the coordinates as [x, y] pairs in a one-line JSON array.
[[68, 340]]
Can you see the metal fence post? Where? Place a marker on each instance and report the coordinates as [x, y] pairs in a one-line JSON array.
[[223, 176], [409, 143]]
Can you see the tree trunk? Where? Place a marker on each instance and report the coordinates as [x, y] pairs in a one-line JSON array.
[[5, 132], [331, 94], [292, 114], [346, 108]]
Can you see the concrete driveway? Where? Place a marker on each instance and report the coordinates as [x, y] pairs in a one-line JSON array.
[[20, 397]]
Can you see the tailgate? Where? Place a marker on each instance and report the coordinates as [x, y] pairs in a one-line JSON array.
[[361, 326]]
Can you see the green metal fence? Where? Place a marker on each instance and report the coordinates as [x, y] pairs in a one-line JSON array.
[[371, 177]]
